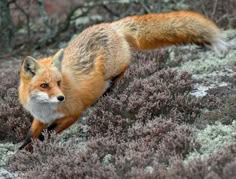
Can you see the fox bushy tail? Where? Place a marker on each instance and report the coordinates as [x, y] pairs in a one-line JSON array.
[[173, 28]]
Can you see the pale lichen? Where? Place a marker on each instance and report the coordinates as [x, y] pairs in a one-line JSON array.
[[6, 150], [213, 138]]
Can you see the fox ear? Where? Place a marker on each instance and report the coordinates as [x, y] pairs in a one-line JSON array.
[[30, 66], [57, 59]]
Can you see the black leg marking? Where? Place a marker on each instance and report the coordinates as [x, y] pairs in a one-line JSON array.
[[41, 137], [28, 137], [109, 89], [112, 85], [51, 127], [27, 141]]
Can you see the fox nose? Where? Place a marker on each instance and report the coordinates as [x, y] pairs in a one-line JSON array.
[[60, 98]]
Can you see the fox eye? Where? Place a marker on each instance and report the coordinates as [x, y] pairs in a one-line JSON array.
[[59, 83], [44, 85]]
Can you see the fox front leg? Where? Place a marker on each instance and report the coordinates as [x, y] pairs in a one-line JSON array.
[[114, 81], [61, 124], [37, 127], [34, 132]]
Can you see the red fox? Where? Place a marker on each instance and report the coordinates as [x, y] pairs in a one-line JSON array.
[[57, 89]]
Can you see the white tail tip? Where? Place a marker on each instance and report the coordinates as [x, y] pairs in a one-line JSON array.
[[219, 45]]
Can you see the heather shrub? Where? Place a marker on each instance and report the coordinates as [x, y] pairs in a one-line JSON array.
[[145, 93], [218, 165], [14, 120], [141, 123], [142, 129], [101, 157], [105, 158]]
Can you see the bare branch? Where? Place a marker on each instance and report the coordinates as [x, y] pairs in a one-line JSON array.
[[145, 7], [110, 11], [43, 13], [222, 18], [84, 12], [10, 2], [27, 17], [203, 8], [52, 35], [159, 5], [214, 9]]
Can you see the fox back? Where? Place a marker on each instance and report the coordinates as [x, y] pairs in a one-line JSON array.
[[98, 40]]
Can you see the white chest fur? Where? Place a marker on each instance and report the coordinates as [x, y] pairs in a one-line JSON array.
[[44, 112]]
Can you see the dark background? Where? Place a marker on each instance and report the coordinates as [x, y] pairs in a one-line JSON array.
[[28, 25]]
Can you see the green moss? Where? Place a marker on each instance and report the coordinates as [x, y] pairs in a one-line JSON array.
[[76, 133], [6, 150], [213, 138], [216, 136], [170, 5], [194, 60], [208, 63]]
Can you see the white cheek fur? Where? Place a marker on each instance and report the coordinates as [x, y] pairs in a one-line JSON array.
[[39, 96], [107, 85], [53, 100], [43, 108]]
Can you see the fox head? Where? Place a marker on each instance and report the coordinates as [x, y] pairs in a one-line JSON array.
[[41, 80]]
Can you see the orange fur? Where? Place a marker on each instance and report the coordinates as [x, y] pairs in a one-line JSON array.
[[174, 28], [37, 127], [64, 123], [101, 53]]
